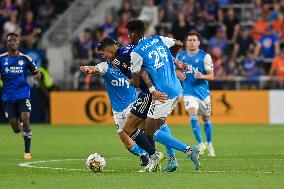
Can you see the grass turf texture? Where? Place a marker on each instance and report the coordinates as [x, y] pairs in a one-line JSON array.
[[247, 157]]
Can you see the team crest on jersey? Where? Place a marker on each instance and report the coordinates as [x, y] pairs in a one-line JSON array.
[[112, 71], [196, 60], [6, 61], [21, 62]]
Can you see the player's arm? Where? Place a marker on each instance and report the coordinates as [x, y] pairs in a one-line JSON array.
[[33, 69], [208, 65], [100, 68], [156, 95]]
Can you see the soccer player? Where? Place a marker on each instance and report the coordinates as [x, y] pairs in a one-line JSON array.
[[16, 90], [196, 89], [154, 56], [122, 95], [120, 56]]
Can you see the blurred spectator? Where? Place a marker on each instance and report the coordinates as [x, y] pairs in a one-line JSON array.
[[180, 28], [273, 14], [11, 26], [122, 32], [46, 12], [232, 26], [7, 9], [278, 26], [219, 40], [259, 9], [163, 27], [217, 63], [30, 30], [243, 44], [277, 67], [169, 9], [126, 8], [259, 27], [250, 69], [231, 69], [84, 45], [150, 14], [268, 44], [109, 26]]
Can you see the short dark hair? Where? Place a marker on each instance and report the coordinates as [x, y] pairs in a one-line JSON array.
[[136, 26], [12, 34], [196, 34], [107, 42]]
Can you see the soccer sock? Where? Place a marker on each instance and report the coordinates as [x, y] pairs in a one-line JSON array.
[[170, 151], [208, 130], [27, 138], [168, 140], [135, 150], [196, 128], [142, 140]]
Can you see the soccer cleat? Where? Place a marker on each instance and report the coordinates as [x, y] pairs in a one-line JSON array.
[[194, 156], [144, 160], [202, 148], [147, 168], [155, 163], [211, 151], [171, 166], [27, 156]]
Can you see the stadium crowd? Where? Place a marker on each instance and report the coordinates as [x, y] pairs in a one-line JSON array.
[[244, 37]]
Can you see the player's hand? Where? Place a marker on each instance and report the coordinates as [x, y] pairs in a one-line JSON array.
[[37, 76], [181, 66], [199, 75], [87, 69], [157, 95], [181, 75]]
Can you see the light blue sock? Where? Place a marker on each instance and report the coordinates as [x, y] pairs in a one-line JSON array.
[[170, 151], [136, 150], [168, 140], [143, 152], [196, 128], [208, 130]]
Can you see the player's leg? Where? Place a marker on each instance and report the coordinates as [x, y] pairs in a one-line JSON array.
[[24, 109], [159, 111], [172, 164], [192, 107], [205, 110], [11, 114]]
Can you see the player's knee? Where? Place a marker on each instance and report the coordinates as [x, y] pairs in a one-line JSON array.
[[193, 117]]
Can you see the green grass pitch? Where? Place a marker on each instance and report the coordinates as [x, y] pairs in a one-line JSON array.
[[247, 157]]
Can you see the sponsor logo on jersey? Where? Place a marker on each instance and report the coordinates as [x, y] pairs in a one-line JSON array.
[[14, 70], [6, 61], [192, 69], [121, 82]]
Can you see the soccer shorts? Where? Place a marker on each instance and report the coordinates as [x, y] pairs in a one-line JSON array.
[[120, 117], [141, 106], [14, 109], [160, 110], [203, 107]]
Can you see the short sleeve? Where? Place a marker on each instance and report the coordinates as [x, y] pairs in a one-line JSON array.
[[31, 65], [136, 62], [169, 42], [102, 67], [208, 63]]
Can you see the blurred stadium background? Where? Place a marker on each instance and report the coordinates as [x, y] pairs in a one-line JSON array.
[[244, 37]]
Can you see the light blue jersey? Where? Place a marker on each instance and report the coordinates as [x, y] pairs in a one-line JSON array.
[[119, 90], [201, 62], [154, 56]]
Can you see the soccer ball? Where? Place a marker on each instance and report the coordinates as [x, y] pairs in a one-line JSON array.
[[96, 162]]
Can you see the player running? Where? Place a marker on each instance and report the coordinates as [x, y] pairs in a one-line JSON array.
[[196, 89], [16, 90], [122, 95], [154, 56], [120, 56]]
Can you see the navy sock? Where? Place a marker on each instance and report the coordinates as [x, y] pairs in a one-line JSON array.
[[142, 140], [27, 138]]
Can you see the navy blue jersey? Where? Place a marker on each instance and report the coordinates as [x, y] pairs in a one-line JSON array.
[[122, 61], [13, 74]]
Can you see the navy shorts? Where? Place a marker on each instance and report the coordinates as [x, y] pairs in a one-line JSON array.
[[14, 109], [141, 106]]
